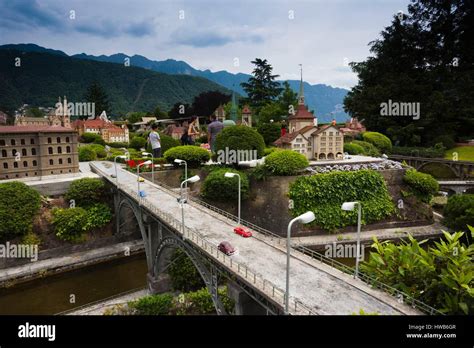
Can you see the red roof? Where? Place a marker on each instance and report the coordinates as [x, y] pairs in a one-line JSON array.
[[302, 113], [95, 124], [35, 129], [289, 137]]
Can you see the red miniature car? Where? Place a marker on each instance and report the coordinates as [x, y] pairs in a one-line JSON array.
[[226, 248], [242, 232]]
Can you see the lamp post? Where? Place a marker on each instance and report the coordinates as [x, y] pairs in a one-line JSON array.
[[138, 174], [348, 206], [180, 162], [305, 218], [152, 166], [115, 164], [231, 175], [192, 179]]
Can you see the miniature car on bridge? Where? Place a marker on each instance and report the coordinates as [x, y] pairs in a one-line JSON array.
[[243, 232], [226, 248]]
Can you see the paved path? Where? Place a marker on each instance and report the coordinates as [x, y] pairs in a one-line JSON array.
[[324, 289]]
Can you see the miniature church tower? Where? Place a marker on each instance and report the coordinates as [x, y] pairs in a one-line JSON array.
[[60, 116], [302, 118], [246, 116]]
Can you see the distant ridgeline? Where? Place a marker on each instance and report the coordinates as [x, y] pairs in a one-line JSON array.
[[42, 77], [326, 101]]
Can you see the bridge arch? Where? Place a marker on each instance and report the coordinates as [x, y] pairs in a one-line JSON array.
[[421, 165], [127, 203], [208, 275]]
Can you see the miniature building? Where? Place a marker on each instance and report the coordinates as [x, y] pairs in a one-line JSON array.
[[220, 113], [174, 131], [246, 116], [305, 137], [353, 127], [109, 132], [29, 151], [57, 117], [144, 122]]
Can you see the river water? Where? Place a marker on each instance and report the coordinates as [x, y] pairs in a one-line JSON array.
[[52, 294]]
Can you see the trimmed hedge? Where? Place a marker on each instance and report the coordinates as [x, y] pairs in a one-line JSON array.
[[98, 149], [86, 192], [19, 204], [89, 137], [353, 149], [324, 194], [86, 154], [285, 162], [380, 141], [422, 185], [459, 212], [429, 152], [369, 149], [193, 155], [217, 187], [240, 138], [137, 142]]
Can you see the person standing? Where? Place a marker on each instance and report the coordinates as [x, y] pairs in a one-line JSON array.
[[193, 130], [214, 128], [155, 141]]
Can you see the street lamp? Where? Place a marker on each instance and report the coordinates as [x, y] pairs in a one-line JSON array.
[[115, 164], [192, 179], [180, 162], [152, 166], [231, 175], [305, 218], [138, 173], [349, 206]]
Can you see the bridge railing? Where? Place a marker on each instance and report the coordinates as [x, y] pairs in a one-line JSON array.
[[268, 288]]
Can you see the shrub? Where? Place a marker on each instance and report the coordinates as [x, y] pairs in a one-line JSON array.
[[184, 275], [270, 132], [86, 191], [200, 302], [137, 143], [202, 139], [18, 206], [193, 155], [285, 162], [353, 149], [86, 154], [240, 138], [118, 145], [422, 185], [89, 137], [324, 194], [459, 212], [269, 150], [218, 187], [98, 215], [31, 238], [447, 141], [159, 304], [98, 149], [380, 141], [369, 149], [70, 224], [99, 141]]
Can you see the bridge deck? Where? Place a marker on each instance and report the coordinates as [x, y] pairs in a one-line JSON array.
[[322, 288]]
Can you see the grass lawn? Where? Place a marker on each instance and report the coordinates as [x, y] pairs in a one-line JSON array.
[[465, 153]]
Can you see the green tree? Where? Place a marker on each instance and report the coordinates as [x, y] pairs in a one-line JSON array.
[[134, 117], [269, 112], [261, 88], [159, 114], [424, 57], [34, 112], [287, 97], [205, 103], [96, 94]]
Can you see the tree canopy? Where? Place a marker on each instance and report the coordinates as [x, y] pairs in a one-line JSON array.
[[425, 57]]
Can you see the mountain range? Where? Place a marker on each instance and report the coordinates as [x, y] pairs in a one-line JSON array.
[[326, 101]]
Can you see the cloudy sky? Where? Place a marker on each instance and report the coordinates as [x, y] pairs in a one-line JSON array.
[[210, 34]]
